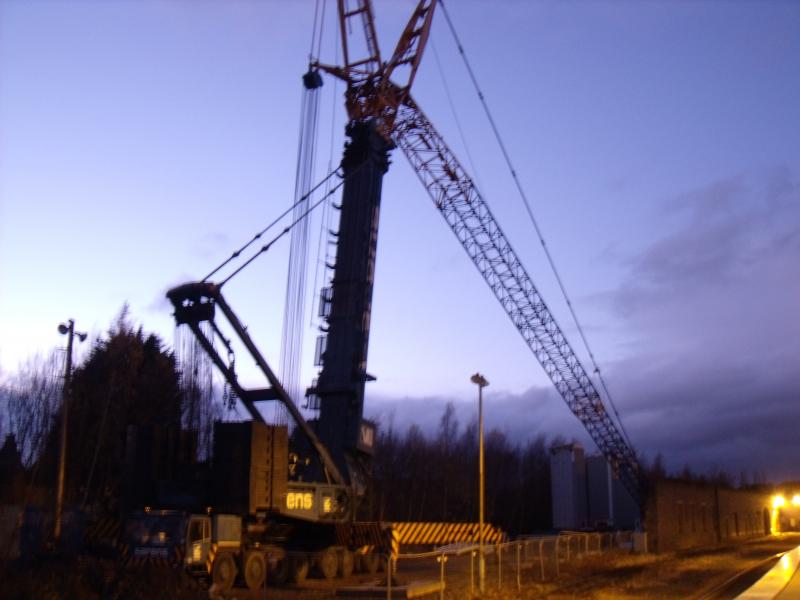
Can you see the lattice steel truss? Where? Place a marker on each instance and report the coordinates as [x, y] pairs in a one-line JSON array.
[[455, 195]]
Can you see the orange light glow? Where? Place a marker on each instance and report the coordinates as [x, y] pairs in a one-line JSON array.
[[777, 502], [796, 499]]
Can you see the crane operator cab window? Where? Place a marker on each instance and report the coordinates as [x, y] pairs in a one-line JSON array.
[[198, 541]]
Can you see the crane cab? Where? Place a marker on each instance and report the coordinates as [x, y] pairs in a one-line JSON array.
[[207, 535], [198, 542]]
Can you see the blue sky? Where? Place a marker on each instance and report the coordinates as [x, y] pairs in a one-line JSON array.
[[140, 142]]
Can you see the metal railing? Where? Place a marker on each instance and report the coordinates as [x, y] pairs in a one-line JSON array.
[[526, 559]]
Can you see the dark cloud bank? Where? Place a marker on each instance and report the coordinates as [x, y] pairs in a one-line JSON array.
[[711, 315]]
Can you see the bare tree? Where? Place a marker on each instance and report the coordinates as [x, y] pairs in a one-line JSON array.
[[435, 478], [33, 397], [448, 438]]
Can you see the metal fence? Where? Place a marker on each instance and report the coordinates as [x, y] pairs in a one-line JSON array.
[[508, 564]]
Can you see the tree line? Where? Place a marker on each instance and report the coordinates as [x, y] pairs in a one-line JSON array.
[[130, 377], [435, 478]]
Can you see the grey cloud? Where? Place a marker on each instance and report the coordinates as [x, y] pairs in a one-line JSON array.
[[521, 416], [711, 312]]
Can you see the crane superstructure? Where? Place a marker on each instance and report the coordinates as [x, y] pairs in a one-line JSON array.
[[373, 99], [308, 515]]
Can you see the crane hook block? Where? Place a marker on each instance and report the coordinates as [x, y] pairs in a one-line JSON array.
[[193, 302], [312, 80]]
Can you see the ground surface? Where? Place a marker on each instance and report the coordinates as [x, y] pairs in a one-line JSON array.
[[622, 576], [614, 575]]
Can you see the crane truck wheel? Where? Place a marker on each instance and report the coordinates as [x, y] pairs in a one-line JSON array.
[[300, 568], [346, 563], [328, 562], [370, 562], [279, 574], [255, 570], [223, 573]]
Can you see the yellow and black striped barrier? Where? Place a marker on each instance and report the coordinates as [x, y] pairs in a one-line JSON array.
[[212, 552], [439, 534], [104, 531]]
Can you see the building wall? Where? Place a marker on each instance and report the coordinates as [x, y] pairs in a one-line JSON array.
[[687, 515], [743, 514], [586, 493], [579, 482], [625, 509], [568, 486], [598, 477]]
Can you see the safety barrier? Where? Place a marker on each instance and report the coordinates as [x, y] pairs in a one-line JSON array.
[[531, 558], [411, 533]]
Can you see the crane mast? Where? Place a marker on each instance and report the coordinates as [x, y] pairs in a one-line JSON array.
[[339, 391], [372, 101]]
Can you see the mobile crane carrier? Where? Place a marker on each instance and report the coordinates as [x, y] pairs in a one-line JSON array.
[[308, 515]]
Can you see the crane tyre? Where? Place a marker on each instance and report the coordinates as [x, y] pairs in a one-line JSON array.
[[255, 570], [358, 566], [300, 568], [279, 574], [328, 562], [346, 563], [370, 563], [223, 573]]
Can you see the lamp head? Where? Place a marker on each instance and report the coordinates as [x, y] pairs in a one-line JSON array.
[[63, 329], [82, 336], [479, 379]]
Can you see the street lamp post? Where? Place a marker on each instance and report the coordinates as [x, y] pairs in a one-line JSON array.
[[69, 331], [481, 382]]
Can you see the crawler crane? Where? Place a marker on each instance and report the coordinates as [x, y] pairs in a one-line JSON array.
[[312, 518]]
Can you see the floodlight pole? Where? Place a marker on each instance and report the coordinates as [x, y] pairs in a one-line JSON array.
[[481, 382], [69, 331]]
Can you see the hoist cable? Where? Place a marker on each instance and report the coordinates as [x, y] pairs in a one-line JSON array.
[[325, 219], [288, 228], [297, 275], [524, 197], [258, 235], [314, 30], [443, 79], [321, 28]]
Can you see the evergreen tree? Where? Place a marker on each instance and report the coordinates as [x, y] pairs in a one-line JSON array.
[[128, 379]]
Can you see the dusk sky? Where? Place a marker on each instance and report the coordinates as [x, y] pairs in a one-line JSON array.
[[659, 144]]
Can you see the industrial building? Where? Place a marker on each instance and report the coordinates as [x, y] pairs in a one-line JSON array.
[[586, 493], [679, 514]]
